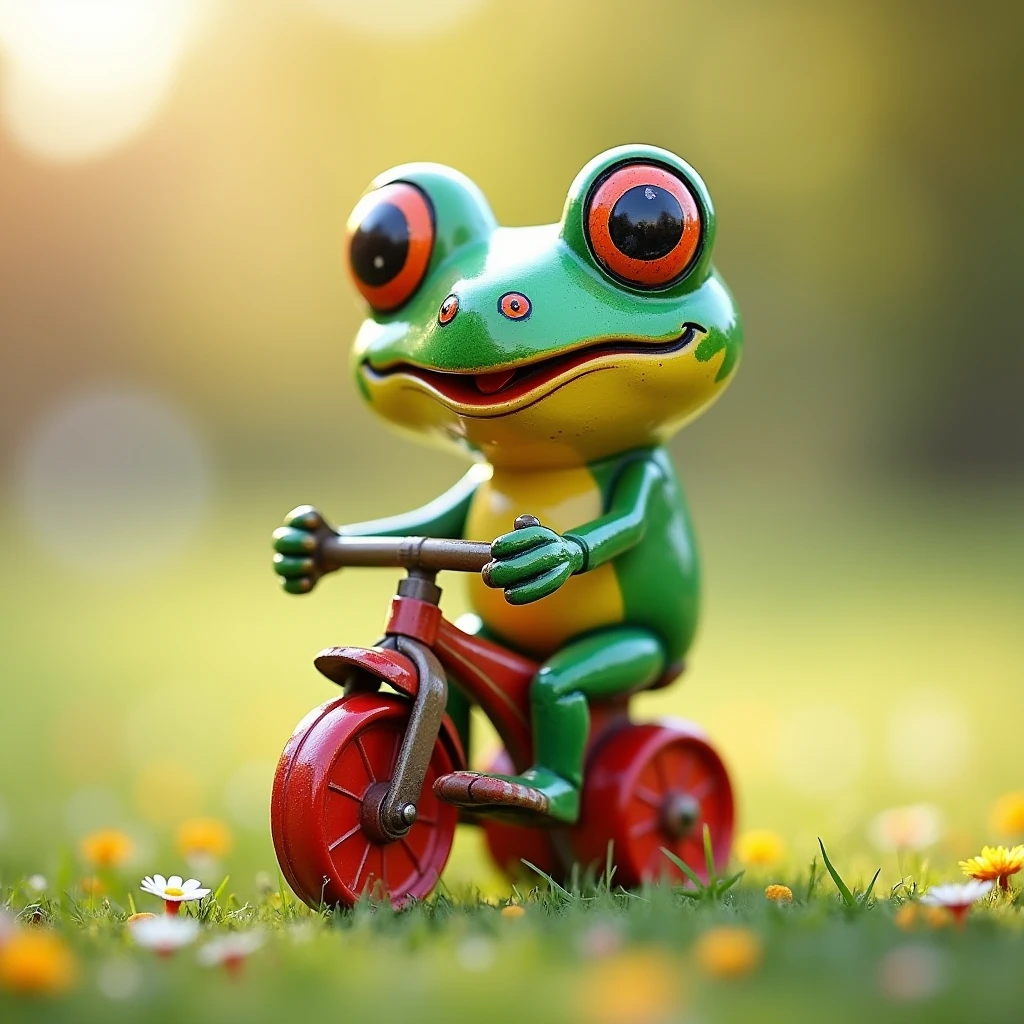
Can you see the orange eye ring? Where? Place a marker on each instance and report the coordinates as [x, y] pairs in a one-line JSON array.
[[643, 225], [515, 305], [390, 237], [450, 306]]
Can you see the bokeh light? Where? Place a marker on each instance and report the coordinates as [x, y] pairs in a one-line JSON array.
[[113, 481], [81, 77]]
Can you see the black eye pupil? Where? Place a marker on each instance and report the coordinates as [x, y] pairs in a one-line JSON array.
[[515, 305], [646, 222], [380, 245]]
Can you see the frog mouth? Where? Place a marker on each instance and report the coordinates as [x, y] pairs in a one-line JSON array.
[[521, 384]]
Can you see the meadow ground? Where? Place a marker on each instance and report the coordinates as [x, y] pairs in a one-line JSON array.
[[594, 955], [855, 656]]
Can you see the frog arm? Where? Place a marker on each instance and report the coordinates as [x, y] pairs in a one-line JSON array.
[[624, 524], [445, 516]]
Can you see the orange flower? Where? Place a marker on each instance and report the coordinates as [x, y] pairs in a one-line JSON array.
[[107, 848], [513, 910], [779, 894], [728, 951], [635, 987], [37, 962], [907, 916], [1007, 816], [996, 863], [92, 886]]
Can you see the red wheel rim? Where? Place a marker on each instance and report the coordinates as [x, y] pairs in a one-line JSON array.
[[336, 755], [654, 786]]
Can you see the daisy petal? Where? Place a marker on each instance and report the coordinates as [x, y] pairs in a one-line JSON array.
[[160, 881], [191, 883], [174, 882]]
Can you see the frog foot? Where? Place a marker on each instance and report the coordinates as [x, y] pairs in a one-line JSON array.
[[537, 793]]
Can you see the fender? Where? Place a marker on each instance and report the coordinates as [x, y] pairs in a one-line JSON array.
[[346, 665]]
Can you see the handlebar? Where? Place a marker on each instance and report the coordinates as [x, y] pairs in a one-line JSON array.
[[431, 553]]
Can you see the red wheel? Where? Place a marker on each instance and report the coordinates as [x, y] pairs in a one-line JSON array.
[[653, 786], [509, 845], [333, 767]]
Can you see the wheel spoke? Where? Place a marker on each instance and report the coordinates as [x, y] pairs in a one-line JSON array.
[[383, 874], [359, 870], [348, 835], [424, 821], [335, 788], [366, 759], [648, 796], [643, 828], [412, 854], [394, 753], [700, 791]]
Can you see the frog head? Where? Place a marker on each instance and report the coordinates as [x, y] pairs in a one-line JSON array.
[[543, 346]]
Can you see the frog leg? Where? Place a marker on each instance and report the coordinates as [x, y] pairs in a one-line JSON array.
[[608, 663]]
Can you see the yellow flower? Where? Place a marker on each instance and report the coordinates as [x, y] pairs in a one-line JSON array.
[[204, 838], [779, 894], [141, 916], [1008, 815], [760, 848], [107, 848], [995, 863], [513, 910], [38, 962], [635, 987], [728, 951]]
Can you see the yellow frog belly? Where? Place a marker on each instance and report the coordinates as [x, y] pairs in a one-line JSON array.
[[561, 499]]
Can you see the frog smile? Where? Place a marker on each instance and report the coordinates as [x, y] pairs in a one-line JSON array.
[[522, 383]]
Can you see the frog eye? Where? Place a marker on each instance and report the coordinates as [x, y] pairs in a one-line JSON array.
[[390, 238], [643, 225]]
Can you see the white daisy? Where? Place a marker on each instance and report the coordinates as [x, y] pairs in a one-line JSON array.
[[173, 891], [957, 897], [164, 934], [37, 883], [230, 950], [8, 925]]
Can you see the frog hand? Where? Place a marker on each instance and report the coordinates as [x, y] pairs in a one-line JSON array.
[[298, 547], [532, 561]]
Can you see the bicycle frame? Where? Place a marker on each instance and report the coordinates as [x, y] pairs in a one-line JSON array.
[[420, 652]]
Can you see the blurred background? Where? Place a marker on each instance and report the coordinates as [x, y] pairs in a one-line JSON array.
[[175, 323]]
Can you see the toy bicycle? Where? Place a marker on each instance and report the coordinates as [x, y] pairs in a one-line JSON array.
[[354, 809]]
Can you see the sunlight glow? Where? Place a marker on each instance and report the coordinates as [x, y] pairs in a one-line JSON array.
[[81, 77], [399, 18]]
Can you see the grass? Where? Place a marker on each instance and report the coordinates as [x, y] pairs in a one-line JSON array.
[[818, 673], [587, 952]]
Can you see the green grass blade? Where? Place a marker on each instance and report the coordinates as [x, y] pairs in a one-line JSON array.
[[844, 889], [220, 888], [555, 887], [730, 882], [685, 868], [812, 880], [866, 895], [709, 858]]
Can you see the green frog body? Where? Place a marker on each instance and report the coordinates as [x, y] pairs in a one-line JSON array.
[[561, 358]]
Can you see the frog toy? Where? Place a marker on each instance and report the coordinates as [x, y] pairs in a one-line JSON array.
[[560, 359]]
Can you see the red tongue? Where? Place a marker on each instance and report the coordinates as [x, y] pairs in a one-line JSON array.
[[489, 383]]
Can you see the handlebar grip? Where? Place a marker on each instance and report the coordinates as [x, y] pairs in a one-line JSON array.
[[431, 553]]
